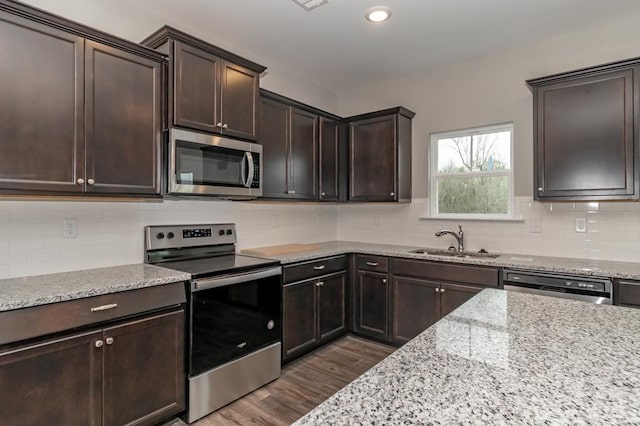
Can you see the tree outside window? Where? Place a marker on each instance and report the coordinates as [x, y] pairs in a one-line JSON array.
[[471, 173]]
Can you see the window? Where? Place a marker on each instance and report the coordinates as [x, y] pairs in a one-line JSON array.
[[471, 173]]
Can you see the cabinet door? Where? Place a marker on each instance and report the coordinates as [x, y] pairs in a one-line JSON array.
[[303, 158], [123, 121], [331, 305], [238, 101], [372, 304], [585, 138], [329, 159], [53, 383], [196, 88], [274, 133], [454, 295], [416, 306], [144, 378], [41, 116], [373, 159], [299, 317]]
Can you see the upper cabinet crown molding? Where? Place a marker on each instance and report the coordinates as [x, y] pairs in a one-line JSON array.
[[71, 27], [166, 33]]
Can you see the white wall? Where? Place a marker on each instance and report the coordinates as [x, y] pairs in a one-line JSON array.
[[111, 233], [488, 90]]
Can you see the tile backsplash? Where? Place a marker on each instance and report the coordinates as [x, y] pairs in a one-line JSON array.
[[543, 229], [111, 233]]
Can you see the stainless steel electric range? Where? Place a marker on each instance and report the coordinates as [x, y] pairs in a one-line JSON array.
[[234, 312]]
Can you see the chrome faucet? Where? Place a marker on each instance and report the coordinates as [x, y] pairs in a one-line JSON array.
[[459, 236]]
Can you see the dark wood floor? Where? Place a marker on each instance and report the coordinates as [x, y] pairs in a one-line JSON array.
[[303, 385]]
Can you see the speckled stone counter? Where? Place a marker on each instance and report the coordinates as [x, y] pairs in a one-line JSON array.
[[601, 268], [504, 358], [16, 293]]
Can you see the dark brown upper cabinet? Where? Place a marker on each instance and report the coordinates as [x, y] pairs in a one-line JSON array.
[[380, 156], [77, 116], [210, 89], [586, 134], [304, 151]]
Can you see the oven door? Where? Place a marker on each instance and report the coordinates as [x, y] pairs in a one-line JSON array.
[[201, 164], [234, 315]]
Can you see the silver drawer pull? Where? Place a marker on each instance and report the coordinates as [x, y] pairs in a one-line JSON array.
[[319, 283], [104, 307], [319, 268], [372, 263], [241, 345]]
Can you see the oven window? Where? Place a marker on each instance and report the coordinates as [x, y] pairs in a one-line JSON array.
[[198, 164], [232, 321]]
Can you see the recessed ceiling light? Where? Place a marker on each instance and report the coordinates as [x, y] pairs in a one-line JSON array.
[[378, 14]]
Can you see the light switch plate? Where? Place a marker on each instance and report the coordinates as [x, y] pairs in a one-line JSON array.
[[581, 224]]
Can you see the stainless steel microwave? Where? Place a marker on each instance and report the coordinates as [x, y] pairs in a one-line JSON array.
[[202, 164]]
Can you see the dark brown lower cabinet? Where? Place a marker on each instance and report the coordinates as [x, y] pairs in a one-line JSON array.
[[54, 382], [314, 312], [129, 374], [372, 304], [418, 304], [626, 293]]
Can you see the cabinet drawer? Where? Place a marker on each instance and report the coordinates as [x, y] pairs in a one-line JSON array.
[[27, 323], [372, 263], [627, 293], [447, 272], [314, 268]]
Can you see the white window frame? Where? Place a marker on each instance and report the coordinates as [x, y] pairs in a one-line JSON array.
[[434, 176]]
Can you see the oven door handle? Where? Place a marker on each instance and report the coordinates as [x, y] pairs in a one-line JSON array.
[[208, 283]]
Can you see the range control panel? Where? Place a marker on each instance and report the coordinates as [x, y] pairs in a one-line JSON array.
[[181, 236]]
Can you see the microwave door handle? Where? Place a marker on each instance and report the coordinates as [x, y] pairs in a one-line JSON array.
[[249, 161]]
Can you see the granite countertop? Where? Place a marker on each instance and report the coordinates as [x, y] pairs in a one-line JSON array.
[[562, 265], [16, 293], [504, 358]]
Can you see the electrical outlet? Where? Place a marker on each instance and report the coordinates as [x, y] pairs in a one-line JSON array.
[[535, 224], [70, 228], [581, 224]]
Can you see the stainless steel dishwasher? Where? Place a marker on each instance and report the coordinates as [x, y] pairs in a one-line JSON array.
[[589, 289]]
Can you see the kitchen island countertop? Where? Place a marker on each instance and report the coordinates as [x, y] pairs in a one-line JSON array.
[[504, 358]]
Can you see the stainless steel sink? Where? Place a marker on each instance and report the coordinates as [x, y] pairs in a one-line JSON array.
[[453, 253]]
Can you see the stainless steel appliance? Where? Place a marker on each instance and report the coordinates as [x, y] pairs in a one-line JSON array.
[[234, 312], [591, 289], [202, 164]]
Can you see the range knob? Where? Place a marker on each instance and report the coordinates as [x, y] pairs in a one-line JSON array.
[[221, 232], [229, 232], [170, 235], [160, 235]]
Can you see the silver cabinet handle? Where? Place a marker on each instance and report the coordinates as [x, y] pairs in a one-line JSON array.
[[99, 343], [291, 192], [91, 181], [437, 290], [442, 290], [319, 268], [540, 188], [219, 125], [104, 307], [109, 340], [384, 281], [225, 126], [319, 283], [393, 194], [80, 181], [372, 263], [323, 193]]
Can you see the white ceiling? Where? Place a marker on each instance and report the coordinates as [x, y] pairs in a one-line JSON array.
[[334, 46]]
